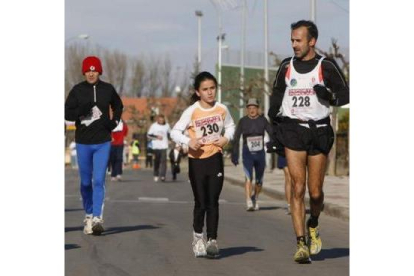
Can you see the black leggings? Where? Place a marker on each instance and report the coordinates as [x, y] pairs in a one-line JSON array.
[[206, 177]]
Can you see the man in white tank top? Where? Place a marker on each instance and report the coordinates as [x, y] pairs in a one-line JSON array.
[[305, 86]]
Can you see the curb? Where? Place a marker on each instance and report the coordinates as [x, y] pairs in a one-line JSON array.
[[329, 209]]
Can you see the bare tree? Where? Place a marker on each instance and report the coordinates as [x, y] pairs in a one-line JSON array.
[[116, 69], [153, 79], [166, 80], [335, 54], [187, 89], [74, 56], [277, 60], [138, 78]]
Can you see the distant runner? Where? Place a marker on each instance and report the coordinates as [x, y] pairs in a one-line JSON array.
[[252, 127]]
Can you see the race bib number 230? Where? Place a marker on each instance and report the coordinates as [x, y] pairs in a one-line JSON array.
[[208, 128]]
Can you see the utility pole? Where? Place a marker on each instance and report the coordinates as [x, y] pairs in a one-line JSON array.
[[199, 14], [226, 5], [219, 58], [242, 53], [266, 62], [313, 11], [266, 73]]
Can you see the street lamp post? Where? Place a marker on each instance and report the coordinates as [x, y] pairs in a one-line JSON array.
[[199, 14], [242, 52], [266, 62], [266, 72], [226, 5], [313, 11], [219, 38]]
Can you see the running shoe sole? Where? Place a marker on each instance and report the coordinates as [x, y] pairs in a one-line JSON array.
[[213, 256], [212, 253], [97, 229], [304, 261]]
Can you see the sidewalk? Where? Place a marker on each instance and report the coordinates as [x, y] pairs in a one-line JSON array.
[[336, 188]]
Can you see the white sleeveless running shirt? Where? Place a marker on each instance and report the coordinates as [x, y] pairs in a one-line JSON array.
[[300, 100]]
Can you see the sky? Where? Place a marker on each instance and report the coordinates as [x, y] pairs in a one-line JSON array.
[[163, 27]]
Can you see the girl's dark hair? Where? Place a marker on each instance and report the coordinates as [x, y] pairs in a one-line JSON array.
[[198, 80], [312, 29]]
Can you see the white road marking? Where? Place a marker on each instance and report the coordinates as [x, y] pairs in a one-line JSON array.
[[166, 200], [153, 199]]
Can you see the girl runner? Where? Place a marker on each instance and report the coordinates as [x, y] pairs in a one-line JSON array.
[[205, 121]]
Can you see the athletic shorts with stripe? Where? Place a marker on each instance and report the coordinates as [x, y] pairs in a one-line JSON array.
[[300, 138], [256, 160]]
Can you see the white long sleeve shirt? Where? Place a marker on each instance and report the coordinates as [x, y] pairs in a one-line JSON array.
[[159, 130], [206, 125]]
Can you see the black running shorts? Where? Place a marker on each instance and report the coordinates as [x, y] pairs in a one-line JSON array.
[[301, 138]]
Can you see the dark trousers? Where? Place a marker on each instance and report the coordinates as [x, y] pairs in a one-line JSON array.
[[148, 161], [175, 169], [115, 160], [206, 177], [160, 162]]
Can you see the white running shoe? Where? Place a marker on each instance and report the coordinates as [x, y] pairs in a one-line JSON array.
[[119, 177], [249, 205], [256, 206], [97, 225], [156, 178], [87, 222], [199, 245], [288, 209], [114, 179], [212, 249]]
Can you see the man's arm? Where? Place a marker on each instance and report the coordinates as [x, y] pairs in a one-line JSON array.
[[73, 110], [268, 128], [236, 139], [150, 133], [279, 87], [116, 106], [336, 82]]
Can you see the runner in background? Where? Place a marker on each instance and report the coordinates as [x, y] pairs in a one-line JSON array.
[[148, 154], [252, 127], [73, 156], [158, 133], [135, 151], [117, 150], [175, 158], [282, 165]]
